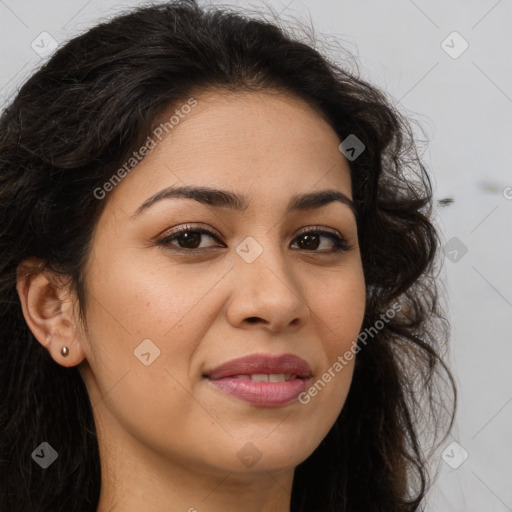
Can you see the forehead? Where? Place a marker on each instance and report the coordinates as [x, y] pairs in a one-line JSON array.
[[250, 142]]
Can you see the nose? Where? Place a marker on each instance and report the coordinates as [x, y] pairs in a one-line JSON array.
[[266, 292]]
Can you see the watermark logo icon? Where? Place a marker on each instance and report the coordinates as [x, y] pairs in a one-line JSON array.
[[249, 454], [455, 249], [454, 455], [249, 249], [44, 455], [146, 352], [352, 147], [44, 44], [454, 45]]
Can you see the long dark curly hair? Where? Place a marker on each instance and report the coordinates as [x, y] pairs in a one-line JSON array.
[[75, 121]]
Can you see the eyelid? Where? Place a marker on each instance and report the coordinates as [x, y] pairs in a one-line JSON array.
[[189, 227], [322, 229]]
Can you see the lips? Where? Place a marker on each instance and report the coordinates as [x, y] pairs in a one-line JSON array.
[[257, 365], [262, 380]]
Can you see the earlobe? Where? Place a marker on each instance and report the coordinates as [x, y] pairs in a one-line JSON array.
[[65, 353], [48, 310]]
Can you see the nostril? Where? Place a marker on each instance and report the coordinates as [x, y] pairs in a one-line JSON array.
[[253, 319]]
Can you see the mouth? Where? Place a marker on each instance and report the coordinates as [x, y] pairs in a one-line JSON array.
[[263, 380]]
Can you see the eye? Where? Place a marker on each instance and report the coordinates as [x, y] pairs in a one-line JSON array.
[[311, 240], [189, 238]]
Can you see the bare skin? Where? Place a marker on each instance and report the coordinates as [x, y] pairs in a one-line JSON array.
[[170, 441]]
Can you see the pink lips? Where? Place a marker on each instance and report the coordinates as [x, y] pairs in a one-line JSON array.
[[234, 378]]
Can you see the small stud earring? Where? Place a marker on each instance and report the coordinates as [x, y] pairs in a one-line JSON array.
[[64, 351]]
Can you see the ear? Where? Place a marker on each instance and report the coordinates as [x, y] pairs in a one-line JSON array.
[[49, 309]]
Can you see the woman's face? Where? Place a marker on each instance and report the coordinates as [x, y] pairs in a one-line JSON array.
[[164, 310]]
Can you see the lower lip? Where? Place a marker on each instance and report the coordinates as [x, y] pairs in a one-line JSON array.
[[266, 394]]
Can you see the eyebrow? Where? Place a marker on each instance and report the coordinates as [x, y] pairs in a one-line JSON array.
[[226, 199]]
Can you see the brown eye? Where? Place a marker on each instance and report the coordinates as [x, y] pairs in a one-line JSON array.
[[311, 240], [188, 238]]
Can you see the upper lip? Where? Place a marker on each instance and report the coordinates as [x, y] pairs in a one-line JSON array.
[[262, 363]]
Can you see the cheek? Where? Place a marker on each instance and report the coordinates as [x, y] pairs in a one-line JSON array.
[[147, 313], [137, 317], [340, 305], [339, 311], [149, 297]]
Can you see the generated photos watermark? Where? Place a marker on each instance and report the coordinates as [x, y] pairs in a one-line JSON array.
[[343, 360], [158, 133]]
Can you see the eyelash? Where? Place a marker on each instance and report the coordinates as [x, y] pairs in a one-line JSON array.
[[340, 243]]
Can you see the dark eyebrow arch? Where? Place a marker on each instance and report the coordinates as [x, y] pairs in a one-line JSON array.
[[226, 199]]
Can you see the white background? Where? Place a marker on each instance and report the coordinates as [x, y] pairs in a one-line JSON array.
[[465, 107]]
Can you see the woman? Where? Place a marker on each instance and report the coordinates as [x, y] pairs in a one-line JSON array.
[[218, 277]]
